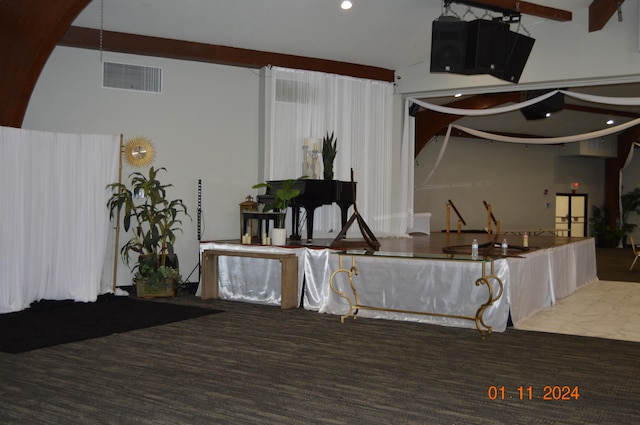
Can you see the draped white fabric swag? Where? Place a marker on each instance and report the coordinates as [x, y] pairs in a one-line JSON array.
[[408, 138], [53, 216]]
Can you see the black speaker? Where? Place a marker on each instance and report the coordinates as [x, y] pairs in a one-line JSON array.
[[519, 47], [540, 110], [414, 108], [448, 45], [487, 43]]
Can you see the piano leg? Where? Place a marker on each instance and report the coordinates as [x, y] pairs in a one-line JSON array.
[[295, 219], [310, 209], [344, 210]]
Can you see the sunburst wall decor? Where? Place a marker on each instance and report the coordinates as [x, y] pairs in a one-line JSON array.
[[139, 151]]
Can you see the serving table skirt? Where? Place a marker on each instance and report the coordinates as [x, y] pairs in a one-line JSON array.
[[531, 283]]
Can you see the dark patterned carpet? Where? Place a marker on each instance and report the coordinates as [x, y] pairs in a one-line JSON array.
[[613, 264], [262, 365]]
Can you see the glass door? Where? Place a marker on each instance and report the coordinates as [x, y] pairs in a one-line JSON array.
[[571, 214]]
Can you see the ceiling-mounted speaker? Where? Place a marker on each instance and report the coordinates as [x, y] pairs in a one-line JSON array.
[[487, 44], [448, 45], [519, 47], [540, 110]]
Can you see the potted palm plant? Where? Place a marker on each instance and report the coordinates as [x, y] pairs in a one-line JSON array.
[[630, 203], [281, 199], [154, 221]]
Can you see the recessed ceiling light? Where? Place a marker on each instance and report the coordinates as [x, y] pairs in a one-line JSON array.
[[547, 115], [457, 95], [346, 5], [610, 122]]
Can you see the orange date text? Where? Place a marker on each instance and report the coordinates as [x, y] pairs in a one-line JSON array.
[[546, 393]]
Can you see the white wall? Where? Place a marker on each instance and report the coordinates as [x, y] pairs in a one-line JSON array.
[[204, 126], [510, 177]]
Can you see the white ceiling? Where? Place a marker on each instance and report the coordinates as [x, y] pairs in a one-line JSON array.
[[391, 34]]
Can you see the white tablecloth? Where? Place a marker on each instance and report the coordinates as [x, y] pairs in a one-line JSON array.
[[255, 280], [530, 283], [544, 276], [435, 286]]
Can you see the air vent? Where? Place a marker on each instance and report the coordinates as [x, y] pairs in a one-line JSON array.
[[292, 91], [598, 148], [132, 77]]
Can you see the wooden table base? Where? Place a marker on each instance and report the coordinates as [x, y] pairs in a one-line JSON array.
[[289, 284]]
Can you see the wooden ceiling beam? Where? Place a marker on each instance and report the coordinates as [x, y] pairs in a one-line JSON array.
[[601, 111], [429, 123], [523, 7], [29, 30], [600, 11], [89, 38]]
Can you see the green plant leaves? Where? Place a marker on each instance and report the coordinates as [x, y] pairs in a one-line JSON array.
[[154, 220]]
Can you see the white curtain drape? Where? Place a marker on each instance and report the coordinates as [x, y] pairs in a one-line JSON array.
[[406, 171], [308, 105], [53, 217]]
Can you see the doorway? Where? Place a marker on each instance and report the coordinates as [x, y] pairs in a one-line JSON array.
[[571, 214]]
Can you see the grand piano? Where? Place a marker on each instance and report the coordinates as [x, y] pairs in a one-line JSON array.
[[313, 194]]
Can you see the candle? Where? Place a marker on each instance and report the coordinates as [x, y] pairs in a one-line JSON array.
[[306, 142], [315, 146]]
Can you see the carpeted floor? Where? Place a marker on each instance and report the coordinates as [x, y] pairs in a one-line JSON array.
[[262, 365], [613, 265]]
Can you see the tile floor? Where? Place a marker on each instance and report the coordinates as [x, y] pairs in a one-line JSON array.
[[600, 309]]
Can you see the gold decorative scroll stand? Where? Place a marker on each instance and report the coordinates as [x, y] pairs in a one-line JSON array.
[[460, 219], [491, 218], [355, 306]]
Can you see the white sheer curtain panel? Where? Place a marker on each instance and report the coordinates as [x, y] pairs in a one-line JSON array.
[[407, 157], [54, 220], [307, 105]]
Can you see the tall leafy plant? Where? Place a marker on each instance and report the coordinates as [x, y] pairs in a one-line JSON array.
[[153, 219], [329, 151], [630, 203], [281, 199]]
